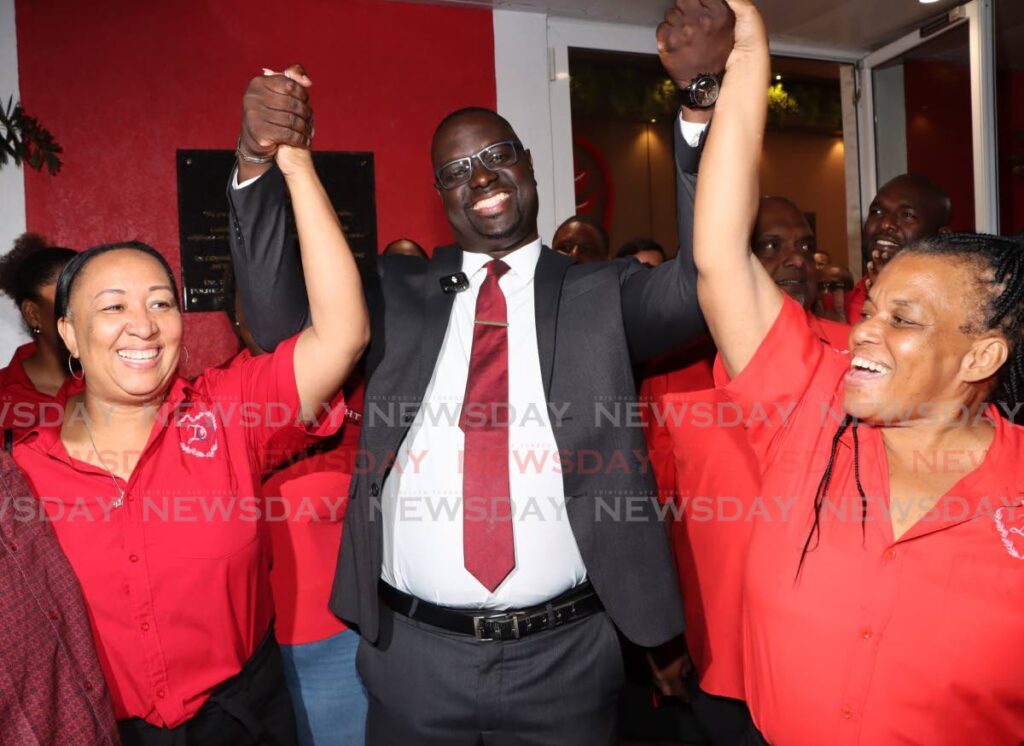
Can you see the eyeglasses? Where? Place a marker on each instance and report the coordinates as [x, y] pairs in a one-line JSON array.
[[496, 157], [834, 287]]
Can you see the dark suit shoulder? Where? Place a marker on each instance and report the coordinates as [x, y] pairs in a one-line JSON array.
[[615, 270], [401, 264]]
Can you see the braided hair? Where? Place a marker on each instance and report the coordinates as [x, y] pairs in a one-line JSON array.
[[998, 265], [848, 423], [999, 276]]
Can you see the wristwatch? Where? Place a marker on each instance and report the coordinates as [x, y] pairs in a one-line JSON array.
[[702, 92]]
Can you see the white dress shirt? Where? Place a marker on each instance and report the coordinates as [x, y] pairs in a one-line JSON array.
[[422, 496], [691, 131]]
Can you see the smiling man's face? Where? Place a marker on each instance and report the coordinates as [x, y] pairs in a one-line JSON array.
[[784, 242], [495, 211], [904, 210]]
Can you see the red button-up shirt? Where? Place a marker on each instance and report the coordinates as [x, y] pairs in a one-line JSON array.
[[881, 641], [176, 577], [712, 474], [52, 691], [22, 405]]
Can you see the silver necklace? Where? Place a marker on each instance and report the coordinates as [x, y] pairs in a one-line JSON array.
[[99, 459]]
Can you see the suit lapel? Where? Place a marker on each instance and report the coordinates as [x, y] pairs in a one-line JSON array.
[[547, 284], [437, 309]]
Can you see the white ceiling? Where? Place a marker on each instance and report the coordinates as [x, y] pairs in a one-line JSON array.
[[841, 24]]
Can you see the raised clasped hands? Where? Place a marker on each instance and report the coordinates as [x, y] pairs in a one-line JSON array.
[[277, 119], [750, 35], [695, 37]]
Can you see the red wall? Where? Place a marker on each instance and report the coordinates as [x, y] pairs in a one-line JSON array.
[[123, 84], [939, 141]]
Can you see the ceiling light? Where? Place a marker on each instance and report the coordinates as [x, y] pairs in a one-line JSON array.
[[927, 2], [779, 77]]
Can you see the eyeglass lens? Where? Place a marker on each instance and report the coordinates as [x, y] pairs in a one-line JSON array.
[[494, 158]]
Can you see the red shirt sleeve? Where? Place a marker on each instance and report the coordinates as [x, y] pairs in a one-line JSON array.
[[272, 419], [772, 389]]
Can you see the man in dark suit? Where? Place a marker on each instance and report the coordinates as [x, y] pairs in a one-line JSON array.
[[488, 556]]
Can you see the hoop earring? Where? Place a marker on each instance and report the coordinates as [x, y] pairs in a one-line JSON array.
[[71, 369], [36, 330], [183, 347]]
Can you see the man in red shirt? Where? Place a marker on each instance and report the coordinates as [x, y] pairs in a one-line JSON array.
[[905, 209], [704, 464], [52, 690]]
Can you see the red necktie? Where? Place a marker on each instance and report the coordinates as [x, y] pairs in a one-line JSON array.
[[488, 551]]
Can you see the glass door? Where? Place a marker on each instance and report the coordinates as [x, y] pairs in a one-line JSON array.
[[927, 106]]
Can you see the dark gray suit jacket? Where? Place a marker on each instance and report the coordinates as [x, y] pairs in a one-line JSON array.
[[594, 321]]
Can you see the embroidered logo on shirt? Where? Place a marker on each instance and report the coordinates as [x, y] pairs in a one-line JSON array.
[[199, 434], [1010, 524]]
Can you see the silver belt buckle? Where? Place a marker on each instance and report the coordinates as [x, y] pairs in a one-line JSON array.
[[480, 632]]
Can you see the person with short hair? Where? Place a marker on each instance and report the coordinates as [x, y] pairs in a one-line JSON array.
[[881, 593], [704, 467], [582, 238], [406, 247], [151, 480], [907, 208], [644, 250], [834, 283], [482, 621]]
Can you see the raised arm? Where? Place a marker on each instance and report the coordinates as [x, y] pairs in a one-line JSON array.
[[660, 308], [327, 351], [739, 299], [268, 274]]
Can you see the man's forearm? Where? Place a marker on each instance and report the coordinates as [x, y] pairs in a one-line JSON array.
[[268, 270]]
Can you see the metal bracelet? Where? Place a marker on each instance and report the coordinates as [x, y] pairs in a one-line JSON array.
[[258, 160]]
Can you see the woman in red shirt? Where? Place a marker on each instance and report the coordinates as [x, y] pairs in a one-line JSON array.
[[881, 600], [29, 383], [151, 480], [305, 498]]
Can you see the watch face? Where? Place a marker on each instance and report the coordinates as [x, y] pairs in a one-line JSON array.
[[704, 91]]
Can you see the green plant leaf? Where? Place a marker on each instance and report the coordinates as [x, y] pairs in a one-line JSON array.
[[25, 140]]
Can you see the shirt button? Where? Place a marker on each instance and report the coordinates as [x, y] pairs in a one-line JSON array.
[[88, 686], [865, 632], [144, 626], [890, 554], [14, 547], [130, 498], [847, 712], [133, 558], [54, 615], [374, 490], [161, 693]]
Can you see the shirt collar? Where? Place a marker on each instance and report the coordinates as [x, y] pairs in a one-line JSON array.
[[14, 374], [522, 262], [47, 435]]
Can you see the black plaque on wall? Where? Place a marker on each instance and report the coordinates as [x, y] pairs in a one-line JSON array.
[[203, 216]]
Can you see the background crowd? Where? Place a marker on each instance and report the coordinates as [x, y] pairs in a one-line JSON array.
[[808, 535]]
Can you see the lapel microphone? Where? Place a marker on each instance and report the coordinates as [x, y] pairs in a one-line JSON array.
[[454, 283]]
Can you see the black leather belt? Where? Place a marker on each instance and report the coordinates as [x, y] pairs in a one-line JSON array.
[[491, 625]]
